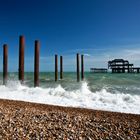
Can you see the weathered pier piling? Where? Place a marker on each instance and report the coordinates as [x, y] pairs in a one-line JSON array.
[[128, 69], [5, 64], [82, 67], [36, 64], [56, 67], [61, 67], [78, 69], [138, 70], [21, 58]]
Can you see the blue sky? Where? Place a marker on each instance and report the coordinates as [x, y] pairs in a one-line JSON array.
[[100, 29]]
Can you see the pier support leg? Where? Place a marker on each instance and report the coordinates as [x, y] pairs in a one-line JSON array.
[[128, 70], [5, 64], [21, 58], [36, 64], [82, 67], [78, 70], [138, 70], [56, 67], [61, 67]]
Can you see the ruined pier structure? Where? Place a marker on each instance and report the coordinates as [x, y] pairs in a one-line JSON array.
[[122, 66]]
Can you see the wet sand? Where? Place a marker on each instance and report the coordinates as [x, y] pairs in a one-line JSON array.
[[23, 120]]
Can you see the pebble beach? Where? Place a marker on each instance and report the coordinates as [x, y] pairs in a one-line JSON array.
[[23, 120]]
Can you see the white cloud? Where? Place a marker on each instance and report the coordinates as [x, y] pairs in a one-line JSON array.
[[86, 54]]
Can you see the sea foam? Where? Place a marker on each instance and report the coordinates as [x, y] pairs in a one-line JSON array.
[[82, 97]]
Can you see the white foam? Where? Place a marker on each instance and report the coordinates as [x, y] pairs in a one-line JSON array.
[[82, 97]]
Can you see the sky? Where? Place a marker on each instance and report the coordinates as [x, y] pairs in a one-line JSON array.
[[102, 30]]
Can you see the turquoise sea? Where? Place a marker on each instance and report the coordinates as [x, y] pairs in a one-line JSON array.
[[104, 91]]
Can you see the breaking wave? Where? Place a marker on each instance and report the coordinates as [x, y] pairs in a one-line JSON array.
[[82, 97]]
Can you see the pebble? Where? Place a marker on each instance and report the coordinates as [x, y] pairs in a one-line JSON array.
[[21, 120]]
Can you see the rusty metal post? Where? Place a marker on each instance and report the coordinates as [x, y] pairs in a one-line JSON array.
[[138, 70], [5, 64], [78, 70], [21, 58], [36, 64], [128, 69], [82, 67], [56, 67], [61, 67]]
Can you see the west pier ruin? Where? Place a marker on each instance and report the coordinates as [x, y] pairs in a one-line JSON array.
[[122, 66], [117, 66]]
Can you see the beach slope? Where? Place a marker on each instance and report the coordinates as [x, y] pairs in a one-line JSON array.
[[23, 120]]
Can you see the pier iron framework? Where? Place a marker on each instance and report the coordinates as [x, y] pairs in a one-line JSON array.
[[122, 66]]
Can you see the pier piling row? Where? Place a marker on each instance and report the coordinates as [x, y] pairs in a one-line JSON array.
[[5, 64], [36, 63], [78, 67]]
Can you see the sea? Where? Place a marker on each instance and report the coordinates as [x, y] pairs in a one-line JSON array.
[[100, 91]]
